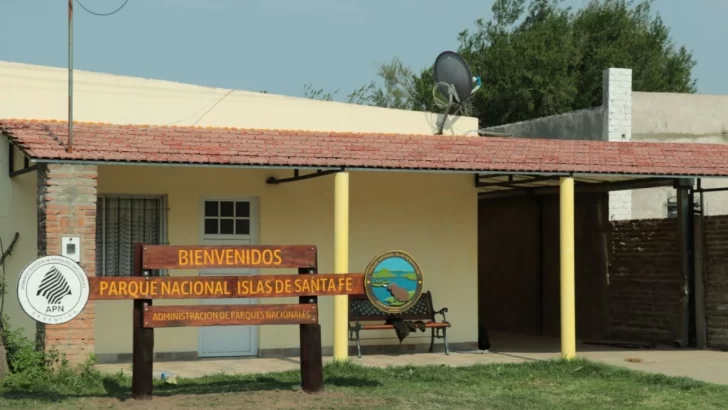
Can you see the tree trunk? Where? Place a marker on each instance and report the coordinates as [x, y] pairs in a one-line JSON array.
[[4, 370]]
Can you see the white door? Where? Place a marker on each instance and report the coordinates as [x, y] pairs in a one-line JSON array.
[[228, 222]]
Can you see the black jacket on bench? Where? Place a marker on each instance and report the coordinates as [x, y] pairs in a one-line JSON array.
[[404, 327]]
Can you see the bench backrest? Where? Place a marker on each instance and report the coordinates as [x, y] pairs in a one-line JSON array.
[[361, 309]]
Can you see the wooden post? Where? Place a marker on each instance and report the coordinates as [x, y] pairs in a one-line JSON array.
[[143, 348], [312, 373]]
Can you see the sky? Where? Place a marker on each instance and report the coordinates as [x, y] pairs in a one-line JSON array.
[[281, 45]]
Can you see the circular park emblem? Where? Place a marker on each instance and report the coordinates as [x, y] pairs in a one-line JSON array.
[[53, 289], [393, 282]]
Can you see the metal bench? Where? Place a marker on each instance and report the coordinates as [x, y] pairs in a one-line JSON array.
[[362, 310]]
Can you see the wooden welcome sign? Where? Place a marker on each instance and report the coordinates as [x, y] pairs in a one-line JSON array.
[[142, 288]]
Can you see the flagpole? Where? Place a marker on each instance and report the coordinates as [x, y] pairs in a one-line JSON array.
[[70, 76]]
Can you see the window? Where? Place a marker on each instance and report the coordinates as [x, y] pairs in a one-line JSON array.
[[672, 206], [227, 218], [122, 221]]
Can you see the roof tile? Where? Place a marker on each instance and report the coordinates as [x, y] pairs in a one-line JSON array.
[[254, 147]]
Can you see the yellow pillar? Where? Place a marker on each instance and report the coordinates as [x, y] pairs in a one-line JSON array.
[[341, 263], [568, 305]]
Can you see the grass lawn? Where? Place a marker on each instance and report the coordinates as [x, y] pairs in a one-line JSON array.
[[578, 384]]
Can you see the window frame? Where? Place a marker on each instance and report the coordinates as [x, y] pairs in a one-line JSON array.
[[162, 216], [252, 217]]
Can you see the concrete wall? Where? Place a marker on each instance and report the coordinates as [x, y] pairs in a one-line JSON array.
[[17, 194], [431, 216], [38, 92], [675, 117], [577, 125], [681, 118]]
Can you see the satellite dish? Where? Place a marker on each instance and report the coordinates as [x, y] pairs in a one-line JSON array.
[[454, 81], [451, 69]]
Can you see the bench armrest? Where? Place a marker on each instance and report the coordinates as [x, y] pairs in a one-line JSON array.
[[442, 312]]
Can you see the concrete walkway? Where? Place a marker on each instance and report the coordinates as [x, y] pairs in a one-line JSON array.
[[705, 365]]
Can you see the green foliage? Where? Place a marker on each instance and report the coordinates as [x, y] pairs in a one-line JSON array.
[[318, 93], [537, 58], [398, 91], [23, 357], [33, 370]]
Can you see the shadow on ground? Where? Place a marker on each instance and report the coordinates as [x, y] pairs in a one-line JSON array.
[[115, 388]]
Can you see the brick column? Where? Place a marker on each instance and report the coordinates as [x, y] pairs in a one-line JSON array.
[[617, 126], [67, 206]]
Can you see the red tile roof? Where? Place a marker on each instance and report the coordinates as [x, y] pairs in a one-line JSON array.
[[45, 140]]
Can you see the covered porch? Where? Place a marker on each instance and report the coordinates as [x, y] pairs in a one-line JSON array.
[[352, 195], [233, 205]]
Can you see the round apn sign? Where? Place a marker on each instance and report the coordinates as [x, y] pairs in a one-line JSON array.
[[53, 289], [393, 282]]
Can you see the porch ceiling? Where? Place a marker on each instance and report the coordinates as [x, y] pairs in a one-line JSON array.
[[493, 159], [497, 186]]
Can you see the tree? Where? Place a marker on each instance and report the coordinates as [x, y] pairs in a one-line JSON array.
[[397, 91], [538, 59], [318, 93]]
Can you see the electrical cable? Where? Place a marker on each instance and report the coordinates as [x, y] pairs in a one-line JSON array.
[[102, 14], [213, 106], [208, 109], [438, 100]]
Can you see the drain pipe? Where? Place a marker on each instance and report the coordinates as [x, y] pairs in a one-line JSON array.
[[70, 76]]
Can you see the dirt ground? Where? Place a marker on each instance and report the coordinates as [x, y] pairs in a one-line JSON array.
[[277, 400]]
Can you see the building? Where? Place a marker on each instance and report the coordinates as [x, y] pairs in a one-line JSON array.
[[152, 162], [627, 115], [641, 281], [169, 207]]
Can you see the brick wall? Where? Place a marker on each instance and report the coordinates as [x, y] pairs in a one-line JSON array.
[[645, 285], [716, 280], [67, 206]]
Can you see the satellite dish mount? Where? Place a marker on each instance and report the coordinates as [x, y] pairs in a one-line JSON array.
[[455, 81]]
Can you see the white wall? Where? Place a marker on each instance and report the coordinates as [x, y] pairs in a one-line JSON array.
[[39, 92], [679, 118], [617, 106]]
